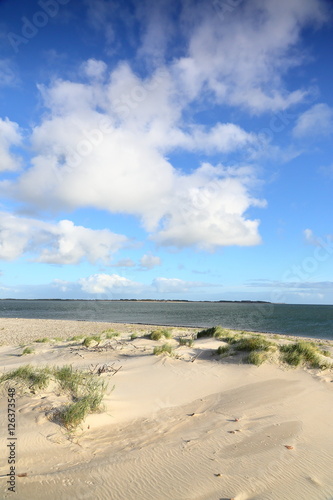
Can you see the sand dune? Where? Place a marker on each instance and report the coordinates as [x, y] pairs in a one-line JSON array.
[[173, 428]]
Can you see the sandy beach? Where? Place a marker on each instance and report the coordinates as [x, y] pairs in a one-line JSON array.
[[191, 426]]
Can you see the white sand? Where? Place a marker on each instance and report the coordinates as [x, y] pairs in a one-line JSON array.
[[165, 432]]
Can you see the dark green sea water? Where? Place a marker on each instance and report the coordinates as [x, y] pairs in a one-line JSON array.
[[302, 320]]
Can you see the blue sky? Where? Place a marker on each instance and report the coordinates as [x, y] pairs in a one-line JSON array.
[[166, 150]]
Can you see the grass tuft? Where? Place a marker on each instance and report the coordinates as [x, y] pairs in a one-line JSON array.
[[92, 392], [256, 357], [29, 376], [134, 336], [85, 390], [223, 349], [253, 344], [215, 331], [183, 341], [43, 340], [231, 338], [111, 335], [301, 353], [164, 349], [28, 350], [159, 333], [90, 340]]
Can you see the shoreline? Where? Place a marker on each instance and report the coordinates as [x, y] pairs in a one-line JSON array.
[[45, 324]]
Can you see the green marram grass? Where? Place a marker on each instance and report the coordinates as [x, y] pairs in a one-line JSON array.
[[185, 342], [87, 398], [134, 336], [254, 343], [215, 331], [163, 349], [90, 340], [29, 376], [42, 341], [85, 390], [223, 349], [256, 357], [302, 353], [111, 335], [159, 333], [28, 350]]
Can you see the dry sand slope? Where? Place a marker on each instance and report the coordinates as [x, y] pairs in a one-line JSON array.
[[174, 429]]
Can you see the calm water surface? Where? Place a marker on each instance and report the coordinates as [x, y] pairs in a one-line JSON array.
[[303, 320]]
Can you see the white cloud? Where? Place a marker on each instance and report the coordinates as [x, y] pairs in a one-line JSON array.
[[242, 57], [55, 243], [83, 159], [94, 68], [207, 210], [318, 121], [149, 261], [106, 284], [169, 285], [105, 143], [9, 136]]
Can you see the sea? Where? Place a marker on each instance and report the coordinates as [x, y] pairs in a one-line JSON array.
[[314, 321]]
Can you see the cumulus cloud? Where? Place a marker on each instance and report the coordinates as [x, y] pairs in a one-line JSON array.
[[208, 208], [10, 136], [94, 68], [55, 243], [81, 154], [148, 261], [82, 158], [241, 57], [318, 121], [107, 284]]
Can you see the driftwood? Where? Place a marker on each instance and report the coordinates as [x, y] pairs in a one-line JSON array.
[[99, 369]]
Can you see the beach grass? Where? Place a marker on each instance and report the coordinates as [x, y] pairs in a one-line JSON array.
[[87, 394], [301, 353], [111, 335], [159, 333], [215, 331], [91, 339], [29, 376], [85, 390], [254, 343], [256, 357], [42, 341], [28, 350], [223, 349], [185, 342], [163, 349]]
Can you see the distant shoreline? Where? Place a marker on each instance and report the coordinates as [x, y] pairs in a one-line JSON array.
[[153, 300]]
